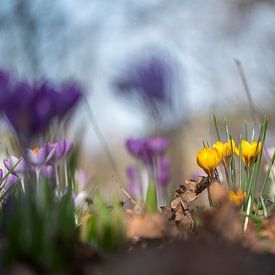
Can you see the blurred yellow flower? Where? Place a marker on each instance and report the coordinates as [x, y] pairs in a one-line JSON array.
[[208, 159], [250, 151], [225, 149], [237, 197]]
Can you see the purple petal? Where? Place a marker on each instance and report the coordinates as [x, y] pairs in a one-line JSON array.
[[59, 149], [157, 145], [135, 146], [10, 181], [37, 156], [20, 167], [68, 97], [7, 164], [69, 146], [1, 174]]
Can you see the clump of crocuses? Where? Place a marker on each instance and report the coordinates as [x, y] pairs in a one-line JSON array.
[[29, 108], [39, 161], [152, 167]]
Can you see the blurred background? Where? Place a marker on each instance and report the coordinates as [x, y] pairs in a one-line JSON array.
[[149, 67]]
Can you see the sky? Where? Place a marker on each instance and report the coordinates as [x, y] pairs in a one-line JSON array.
[[202, 37]]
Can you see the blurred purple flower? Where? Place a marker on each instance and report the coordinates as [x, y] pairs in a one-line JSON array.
[[68, 147], [65, 100], [157, 145], [163, 172], [9, 181], [30, 108], [56, 149], [139, 149], [37, 156], [147, 149], [135, 146], [4, 87], [20, 167], [149, 80]]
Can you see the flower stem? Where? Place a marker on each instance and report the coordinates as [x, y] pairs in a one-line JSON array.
[[57, 178], [209, 194], [66, 174], [37, 174]]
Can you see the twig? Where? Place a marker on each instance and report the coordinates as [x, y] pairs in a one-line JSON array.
[[253, 110], [252, 107], [106, 149]]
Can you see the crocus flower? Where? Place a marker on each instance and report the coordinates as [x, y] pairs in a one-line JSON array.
[[29, 108], [9, 181], [68, 147], [67, 98], [135, 146], [237, 197], [250, 151], [149, 80], [138, 148], [157, 145], [56, 149], [19, 162], [37, 156], [4, 87], [208, 159], [225, 149]]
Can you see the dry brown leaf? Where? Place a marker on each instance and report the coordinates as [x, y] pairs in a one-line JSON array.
[[185, 195]]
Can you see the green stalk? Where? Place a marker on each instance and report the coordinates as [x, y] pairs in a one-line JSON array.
[[258, 163], [233, 168], [266, 177], [216, 127], [264, 207], [240, 164]]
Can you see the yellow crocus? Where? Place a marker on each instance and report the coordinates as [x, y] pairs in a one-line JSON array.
[[225, 149], [250, 151], [208, 159], [237, 197]]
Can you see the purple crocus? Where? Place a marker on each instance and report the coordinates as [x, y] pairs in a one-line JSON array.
[[147, 149], [163, 172], [68, 147], [67, 98], [149, 80], [135, 146], [20, 167], [37, 156], [4, 87], [29, 108], [56, 150], [138, 148], [157, 145], [9, 181]]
